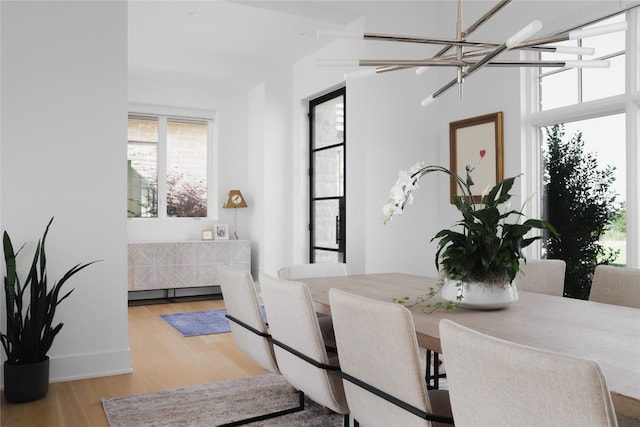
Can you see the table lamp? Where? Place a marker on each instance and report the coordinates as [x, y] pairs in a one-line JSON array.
[[235, 199]]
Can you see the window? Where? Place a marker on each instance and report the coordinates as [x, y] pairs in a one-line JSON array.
[[142, 168], [602, 104], [167, 156], [563, 87]]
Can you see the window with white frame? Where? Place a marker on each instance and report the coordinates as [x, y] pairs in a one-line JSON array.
[[560, 87], [602, 104], [168, 160]]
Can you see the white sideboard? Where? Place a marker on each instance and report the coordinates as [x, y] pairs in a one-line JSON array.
[[173, 265]]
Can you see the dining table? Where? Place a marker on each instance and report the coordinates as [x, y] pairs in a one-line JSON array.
[[608, 334]]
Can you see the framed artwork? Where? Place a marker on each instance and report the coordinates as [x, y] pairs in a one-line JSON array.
[[476, 152], [221, 231], [207, 234]]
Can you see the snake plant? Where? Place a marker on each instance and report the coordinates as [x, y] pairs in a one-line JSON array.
[[30, 332]]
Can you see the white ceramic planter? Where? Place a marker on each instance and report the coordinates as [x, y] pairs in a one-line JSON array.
[[479, 296]]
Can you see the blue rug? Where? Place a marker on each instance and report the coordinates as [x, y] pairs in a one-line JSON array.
[[200, 322]]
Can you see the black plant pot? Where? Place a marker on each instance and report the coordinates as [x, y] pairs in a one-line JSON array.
[[25, 383]]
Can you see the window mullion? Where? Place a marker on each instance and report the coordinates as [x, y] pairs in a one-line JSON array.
[[212, 168], [580, 98], [162, 167], [632, 133]]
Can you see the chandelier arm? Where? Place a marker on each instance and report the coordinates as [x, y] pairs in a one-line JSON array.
[[486, 17], [426, 40], [475, 67], [383, 64], [571, 35], [533, 43], [408, 63], [466, 32], [469, 30], [514, 40]]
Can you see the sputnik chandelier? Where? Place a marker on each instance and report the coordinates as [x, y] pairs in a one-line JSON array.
[[469, 56]]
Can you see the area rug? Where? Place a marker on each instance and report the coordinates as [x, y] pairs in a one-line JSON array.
[[200, 322], [217, 403]]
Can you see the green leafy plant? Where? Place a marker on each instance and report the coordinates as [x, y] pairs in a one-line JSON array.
[[30, 332], [581, 204], [486, 246]]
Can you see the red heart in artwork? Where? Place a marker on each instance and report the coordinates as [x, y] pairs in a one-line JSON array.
[[482, 153]]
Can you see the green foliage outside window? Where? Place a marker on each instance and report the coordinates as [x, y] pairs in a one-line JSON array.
[[580, 203]]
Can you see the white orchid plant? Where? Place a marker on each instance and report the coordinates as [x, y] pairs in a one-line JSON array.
[[488, 248], [401, 192]]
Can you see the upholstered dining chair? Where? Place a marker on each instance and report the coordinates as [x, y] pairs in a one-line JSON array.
[[543, 276], [241, 302], [493, 382], [616, 285], [249, 329], [305, 271], [299, 346], [381, 364]]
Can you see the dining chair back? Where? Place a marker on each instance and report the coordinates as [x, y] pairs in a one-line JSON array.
[[305, 271], [493, 382], [377, 346], [298, 343], [616, 285], [543, 276], [241, 302]]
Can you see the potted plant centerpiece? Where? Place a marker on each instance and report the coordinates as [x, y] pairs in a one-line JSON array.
[[30, 330], [480, 258]]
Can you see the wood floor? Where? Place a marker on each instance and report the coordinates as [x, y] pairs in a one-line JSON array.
[[161, 359]]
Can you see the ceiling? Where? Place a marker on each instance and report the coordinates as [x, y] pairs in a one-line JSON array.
[[209, 37], [231, 42]]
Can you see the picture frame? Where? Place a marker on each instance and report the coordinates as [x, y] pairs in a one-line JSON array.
[[476, 153], [221, 231], [207, 234]]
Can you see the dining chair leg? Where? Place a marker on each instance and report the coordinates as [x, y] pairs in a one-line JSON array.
[[270, 415], [433, 374]]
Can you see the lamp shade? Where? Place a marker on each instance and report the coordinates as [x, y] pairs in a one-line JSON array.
[[235, 199]]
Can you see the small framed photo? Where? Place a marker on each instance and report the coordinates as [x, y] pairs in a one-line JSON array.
[[207, 234], [221, 231]]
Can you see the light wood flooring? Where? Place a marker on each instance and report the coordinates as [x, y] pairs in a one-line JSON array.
[[161, 359]]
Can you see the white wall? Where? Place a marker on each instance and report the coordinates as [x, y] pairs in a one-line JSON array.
[[64, 106], [270, 171], [257, 168]]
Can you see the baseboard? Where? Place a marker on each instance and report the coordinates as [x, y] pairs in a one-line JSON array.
[[149, 296], [82, 366], [79, 367]]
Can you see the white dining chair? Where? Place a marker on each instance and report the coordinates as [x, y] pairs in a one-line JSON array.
[[249, 330], [543, 276], [378, 348], [241, 302], [305, 271], [616, 285], [493, 382], [299, 345]]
